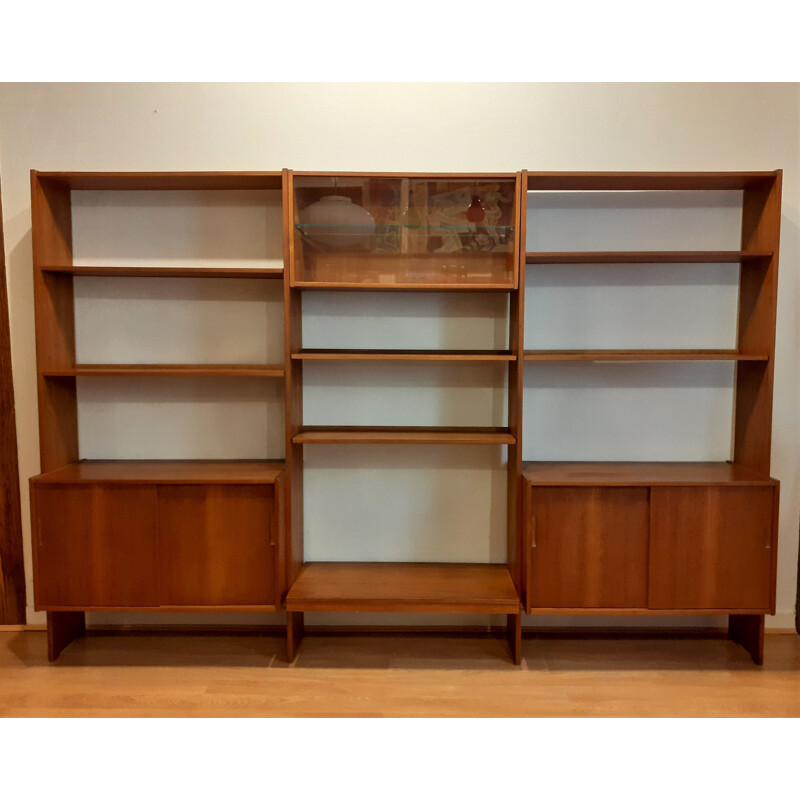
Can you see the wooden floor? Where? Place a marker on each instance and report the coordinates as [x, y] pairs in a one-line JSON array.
[[212, 675]]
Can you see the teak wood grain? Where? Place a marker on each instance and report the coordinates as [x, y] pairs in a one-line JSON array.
[[169, 370], [292, 545], [164, 472], [217, 545], [404, 587], [711, 547], [645, 181], [516, 343], [166, 272], [642, 473], [12, 565], [402, 435], [151, 181], [55, 324], [404, 355], [703, 524], [646, 257], [588, 547], [643, 355], [758, 289], [95, 545]]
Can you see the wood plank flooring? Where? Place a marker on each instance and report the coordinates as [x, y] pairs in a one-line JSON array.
[[210, 675]]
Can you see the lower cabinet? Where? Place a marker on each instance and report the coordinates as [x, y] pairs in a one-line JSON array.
[[216, 545], [95, 545], [656, 548], [123, 546], [711, 547], [588, 547]]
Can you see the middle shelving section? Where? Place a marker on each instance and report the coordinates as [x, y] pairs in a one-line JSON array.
[[454, 242]]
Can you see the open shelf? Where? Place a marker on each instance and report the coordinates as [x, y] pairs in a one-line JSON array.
[[402, 435], [469, 588], [641, 355], [647, 257], [168, 272], [172, 370], [404, 355], [181, 472], [640, 473]]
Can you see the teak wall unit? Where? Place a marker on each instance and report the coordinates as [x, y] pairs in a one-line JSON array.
[[669, 538], [602, 537]]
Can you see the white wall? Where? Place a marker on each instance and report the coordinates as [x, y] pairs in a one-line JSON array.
[[432, 127]]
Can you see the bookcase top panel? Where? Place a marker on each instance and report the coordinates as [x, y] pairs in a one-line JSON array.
[[185, 181]]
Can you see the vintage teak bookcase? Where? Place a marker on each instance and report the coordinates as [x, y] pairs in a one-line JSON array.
[[583, 538]]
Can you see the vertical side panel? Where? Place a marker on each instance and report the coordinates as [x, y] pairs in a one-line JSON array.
[[761, 219], [55, 325], [293, 337], [516, 339]]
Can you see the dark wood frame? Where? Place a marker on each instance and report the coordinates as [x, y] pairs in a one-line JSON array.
[[12, 568]]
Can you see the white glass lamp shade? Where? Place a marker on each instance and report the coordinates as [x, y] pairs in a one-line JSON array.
[[335, 222]]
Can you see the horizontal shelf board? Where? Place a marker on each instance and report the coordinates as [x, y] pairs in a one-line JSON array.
[[404, 355], [646, 181], [402, 435], [404, 287], [348, 230], [165, 609], [430, 176], [172, 370], [183, 472], [647, 257], [185, 181], [645, 612], [404, 587], [168, 272], [641, 355], [644, 473]]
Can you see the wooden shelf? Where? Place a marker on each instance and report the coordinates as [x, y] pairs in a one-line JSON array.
[[469, 588], [455, 286], [172, 370], [404, 355], [168, 272], [641, 355], [644, 473], [647, 181], [181, 472], [647, 257], [151, 181], [402, 435]]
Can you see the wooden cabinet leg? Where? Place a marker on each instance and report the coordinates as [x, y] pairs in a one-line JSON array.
[[294, 633], [63, 627], [514, 634], [748, 631]]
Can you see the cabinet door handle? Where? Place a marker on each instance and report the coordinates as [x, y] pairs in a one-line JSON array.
[[273, 518], [532, 529]]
